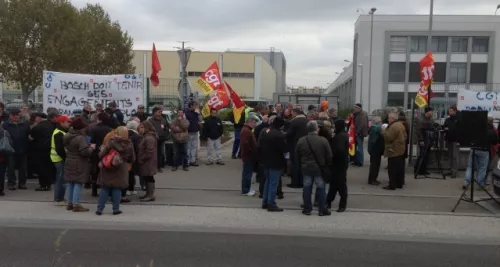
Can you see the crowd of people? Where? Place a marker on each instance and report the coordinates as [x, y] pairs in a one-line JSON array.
[[97, 150]]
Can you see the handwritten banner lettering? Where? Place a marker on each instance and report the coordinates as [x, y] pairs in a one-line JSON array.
[[470, 100], [69, 91]]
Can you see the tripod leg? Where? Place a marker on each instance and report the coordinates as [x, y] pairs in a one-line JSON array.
[[420, 160], [486, 191], [438, 160], [464, 193]]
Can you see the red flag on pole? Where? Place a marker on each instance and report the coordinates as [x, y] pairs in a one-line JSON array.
[[155, 68]]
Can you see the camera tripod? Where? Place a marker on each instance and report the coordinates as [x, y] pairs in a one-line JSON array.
[[426, 153], [470, 198]]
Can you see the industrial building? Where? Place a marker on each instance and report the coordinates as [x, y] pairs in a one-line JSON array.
[[464, 53], [251, 74]]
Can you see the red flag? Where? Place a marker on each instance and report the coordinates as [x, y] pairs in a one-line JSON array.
[[155, 68], [238, 105]]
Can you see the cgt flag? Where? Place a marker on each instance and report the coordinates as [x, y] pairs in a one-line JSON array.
[[352, 135], [238, 104], [217, 100], [210, 80], [155, 68], [427, 75]]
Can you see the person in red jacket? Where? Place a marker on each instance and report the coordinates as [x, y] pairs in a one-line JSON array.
[[248, 150]]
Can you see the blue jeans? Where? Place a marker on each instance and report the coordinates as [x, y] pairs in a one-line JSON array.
[[271, 186], [360, 157], [74, 191], [246, 176], [192, 147], [59, 189], [481, 165], [116, 195], [320, 193], [181, 154], [236, 144]]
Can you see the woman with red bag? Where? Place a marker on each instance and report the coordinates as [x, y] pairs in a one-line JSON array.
[[115, 157]]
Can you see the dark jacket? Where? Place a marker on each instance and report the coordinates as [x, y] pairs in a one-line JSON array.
[[19, 133], [136, 140], [142, 116], [248, 144], [375, 141], [117, 177], [118, 115], [361, 123], [340, 151], [491, 139], [259, 129], [179, 130], [422, 125], [272, 148], [42, 135], [161, 127], [296, 130], [313, 145], [147, 158], [4, 116], [237, 125], [451, 134], [78, 152], [97, 135], [194, 121], [213, 128], [58, 141]]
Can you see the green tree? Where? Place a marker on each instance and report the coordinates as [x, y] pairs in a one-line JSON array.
[[38, 35]]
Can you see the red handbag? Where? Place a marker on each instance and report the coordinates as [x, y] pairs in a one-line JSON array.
[[111, 160]]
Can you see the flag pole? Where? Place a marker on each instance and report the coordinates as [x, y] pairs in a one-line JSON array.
[[429, 48]]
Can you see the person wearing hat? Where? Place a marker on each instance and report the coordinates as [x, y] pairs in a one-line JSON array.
[[41, 135], [58, 156], [361, 128], [424, 126], [77, 113], [19, 131]]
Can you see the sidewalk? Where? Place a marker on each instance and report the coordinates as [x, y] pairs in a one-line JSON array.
[[407, 227], [219, 186]]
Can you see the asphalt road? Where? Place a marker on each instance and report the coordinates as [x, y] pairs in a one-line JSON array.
[[44, 247]]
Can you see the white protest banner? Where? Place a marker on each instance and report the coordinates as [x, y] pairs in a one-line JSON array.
[[470, 100], [69, 91]]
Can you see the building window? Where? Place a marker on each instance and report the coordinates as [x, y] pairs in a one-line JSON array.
[[439, 44], [238, 75], [397, 72], [414, 76], [419, 44], [458, 72], [478, 72], [459, 44], [395, 99], [399, 43], [439, 72], [480, 44], [193, 73]]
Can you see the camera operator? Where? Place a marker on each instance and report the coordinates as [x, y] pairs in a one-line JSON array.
[[426, 136]]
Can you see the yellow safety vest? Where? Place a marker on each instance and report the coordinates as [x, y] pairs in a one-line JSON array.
[[53, 154]]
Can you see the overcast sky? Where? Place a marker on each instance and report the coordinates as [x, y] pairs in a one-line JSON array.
[[315, 35]]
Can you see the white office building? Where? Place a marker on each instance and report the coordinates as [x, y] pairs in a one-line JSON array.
[[464, 54]]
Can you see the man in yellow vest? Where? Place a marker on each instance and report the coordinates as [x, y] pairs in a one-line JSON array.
[[58, 155]]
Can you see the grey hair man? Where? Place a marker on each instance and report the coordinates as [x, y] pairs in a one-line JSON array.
[[314, 154]]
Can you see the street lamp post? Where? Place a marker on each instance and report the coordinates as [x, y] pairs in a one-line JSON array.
[[372, 12], [361, 87]]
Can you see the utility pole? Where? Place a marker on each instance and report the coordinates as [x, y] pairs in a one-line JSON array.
[[184, 90]]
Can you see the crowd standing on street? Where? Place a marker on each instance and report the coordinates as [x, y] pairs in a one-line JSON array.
[[98, 149]]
